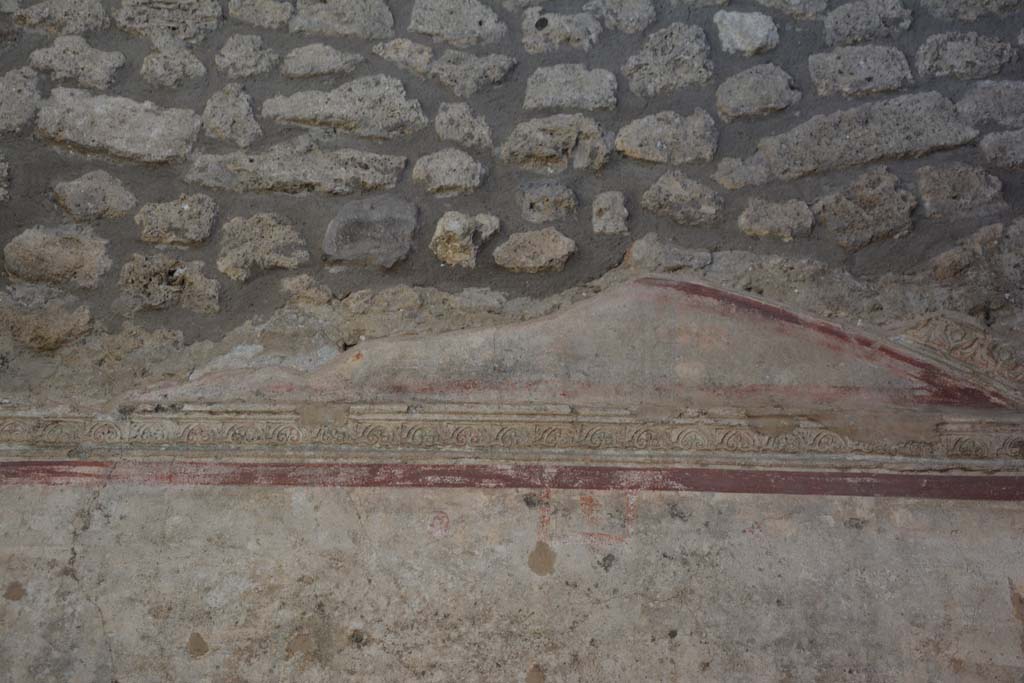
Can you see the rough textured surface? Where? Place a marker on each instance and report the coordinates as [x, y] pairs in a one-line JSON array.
[[557, 142], [535, 251], [94, 196], [546, 200], [778, 220], [746, 33], [259, 242], [229, 116], [374, 232], [547, 31], [365, 19], [757, 91], [609, 214], [671, 58], [66, 255], [184, 221], [871, 208], [319, 60], [19, 99], [458, 237], [999, 102], [959, 190], [1005, 150], [962, 55], [669, 138], [462, 23], [682, 199], [456, 122], [859, 70], [72, 58], [449, 172], [863, 21], [570, 86]]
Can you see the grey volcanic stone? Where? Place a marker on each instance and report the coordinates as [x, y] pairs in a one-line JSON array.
[[801, 9], [188, 20], [685, 201], [669, 138], [543, 201], [608, 214], [367, 19], [1005, 150], [117, 126], [970, 10], [570, 86], [161, 281], [375, 232], [296, 167], [187, 220], [456, 122], [466, 74], [406, 54], [905, 126], [244, 56], [863, 21], [655, 254], [69, 254], [746, 33], [557, 142], [70, 57], [962, 55], [628, 16], [546, 31], [63, 16], [669, 59], [260, 242], [1000, 102], [458, 237], [5, 179], [535, 251], [19, 99], [958, 190], [372, 107], [171, 64], [319, 60], [462, 23], [228, 116], [93, 196], [859, 70], [262, 13], [760, 90], [449, 172], [733, 174], [779, 220], [871, 208]]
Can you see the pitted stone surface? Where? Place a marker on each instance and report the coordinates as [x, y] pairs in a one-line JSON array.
[[669, 138], [228, 116], [999, 102], [262, 13], [93, 196], [746, 33], [859, 70], [547, 31], [462, 23], [19, 99], [69, 254], [871, 208], [456, 122], [319, 60], [72, 58], [671, 58], [188, 20], [466, 74], [154, 282], [628, 16], [682, 199], [68, 17], [556, 143], [970, 10], [652, 253], [962, 55], [458, 237], [367, 19], [801, 9], [375, 232], [957, 190], [187, 220], [244, 56], [864, 21], [259, 242], [545, 201], [609, 214], [535, 251], [570, 86], [758, 91], [171, 64], [778, 220], [41, 317], [1004, 150]]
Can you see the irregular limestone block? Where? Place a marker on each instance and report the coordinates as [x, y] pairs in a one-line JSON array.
[[188, 20], [970, 10], [155, 282], [609, 214], [262, 13], [259, 242], [406, 54], [449, 172], [188, 220], [42, 317], [68, 17], [374, 232], [685, 201], [319, 60], [871, 208], [746, 33], [801, 9], [864, 21], [958, 190], [228, 116], [778, 220], [456, 122], [366, 19], [962, 55], [68, 254], [117, 126], [171, 64], [1000, 102], [655, 254], [547, 31], [466, 74], [19, 99], [760, 90], [244, 56], [463, 23], [557, 142], [669, 138], [71, 58], [458, 237], [535, 251], [93, 196], [543, 201], [669, 59], [303, 289], [859, 70], [570, 86], [1005, 150], [297, 167], [372, 107], [628, 16]]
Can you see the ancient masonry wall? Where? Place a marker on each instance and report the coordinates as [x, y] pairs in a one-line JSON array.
[[176, 173]]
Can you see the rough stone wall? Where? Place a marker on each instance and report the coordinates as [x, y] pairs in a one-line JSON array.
[[182, 178]]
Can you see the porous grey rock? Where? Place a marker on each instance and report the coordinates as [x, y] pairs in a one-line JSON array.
[[871, 208], [760, 90], [304, 289], [1000, 102], [535, 251], [406, 54], [171, 64], [228, 116], [295, 167], [670, 58], [367, 19], [259, 242], [155, 282], [653, 253], [570, 86], [458, 237], [777, 220], [68, 17], [904, 126], [462, 23], [801, 9], [188, 20], [547, 31], [69, 254], [449, 172], [456, 122], [5, 179], [859, 70], [957, 190], [117, 126], [962, 55], [71, 58], [372, 107], [188, 220], [244, 56], [319, 60], [746, 33], [262, 13], [970, 10], [93, 196], [555, 143], [669, 138], [374, 232], [1005, 150], [608, 213], [543, 201], [628, 16], [42, 317], [467, 74], [864, 21], [685, 201], [19, 99]]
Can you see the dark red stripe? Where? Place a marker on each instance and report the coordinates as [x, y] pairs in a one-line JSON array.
[[163, 473]]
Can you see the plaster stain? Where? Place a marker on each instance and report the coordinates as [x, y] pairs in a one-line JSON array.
[[542, 561], [196, 646]]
